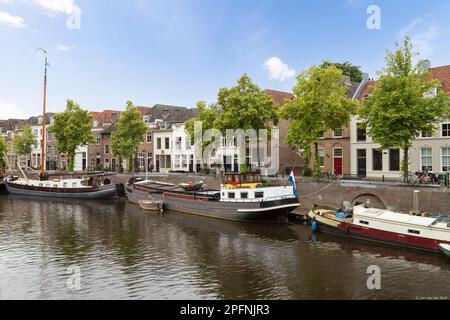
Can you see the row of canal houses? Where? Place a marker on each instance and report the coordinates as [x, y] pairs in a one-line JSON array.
[[166, 146]]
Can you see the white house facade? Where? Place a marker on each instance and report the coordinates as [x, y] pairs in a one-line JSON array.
[[429, 152]]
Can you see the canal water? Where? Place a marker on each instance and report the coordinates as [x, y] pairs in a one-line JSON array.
[[56, 249]]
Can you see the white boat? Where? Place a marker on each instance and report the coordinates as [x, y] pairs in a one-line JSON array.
[[151, 205], [445, 248], [430, 233]]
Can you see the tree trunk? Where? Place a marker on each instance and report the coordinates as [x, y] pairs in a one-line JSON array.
[[405, 162], [71, 160], [316, 170]]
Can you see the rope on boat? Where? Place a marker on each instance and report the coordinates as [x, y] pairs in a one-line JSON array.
[[318, 191]]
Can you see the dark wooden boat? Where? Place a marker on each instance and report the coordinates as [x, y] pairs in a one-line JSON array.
[[234, 202]]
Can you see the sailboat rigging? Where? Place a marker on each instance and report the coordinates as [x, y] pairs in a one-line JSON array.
[[89, 188]]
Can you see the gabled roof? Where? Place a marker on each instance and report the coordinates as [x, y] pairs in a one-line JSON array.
[[279, 97], [143, 110], [171, 114], [439, 73], [105, 117], [36, 120]]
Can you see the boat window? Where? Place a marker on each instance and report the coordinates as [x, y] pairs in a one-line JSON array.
[[41, 185], [74, 184], [231, 195], [259, 195], [55, 186], [48, 185], [413, 231], [364, 222], [244, 195], [65, 185]]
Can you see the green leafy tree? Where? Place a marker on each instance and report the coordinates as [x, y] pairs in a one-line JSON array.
[[206, 115], [3, 151], [130, 132], [346, 68], [23, 143], [245, 106], [72, 128], [400, 107], [320, 104]]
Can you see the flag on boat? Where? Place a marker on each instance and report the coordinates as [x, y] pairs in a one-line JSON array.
[[294, 186]]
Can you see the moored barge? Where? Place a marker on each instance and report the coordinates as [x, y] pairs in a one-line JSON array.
[[242, 198]]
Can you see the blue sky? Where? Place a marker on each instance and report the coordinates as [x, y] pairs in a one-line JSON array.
[[182, 51]]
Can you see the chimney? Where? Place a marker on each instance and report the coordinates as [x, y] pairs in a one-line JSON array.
[[114, 117], [347, 79], [424, 65]]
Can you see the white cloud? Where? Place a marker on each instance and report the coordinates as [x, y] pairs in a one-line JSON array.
[[67, 7], [423, 36], [11, 21], [278, 70], [423, 42], [10, 111], [64, 48]]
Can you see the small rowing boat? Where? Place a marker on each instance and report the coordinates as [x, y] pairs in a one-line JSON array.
[[150, 205]]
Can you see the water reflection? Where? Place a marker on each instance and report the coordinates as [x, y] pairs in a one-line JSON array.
[[125, 253]]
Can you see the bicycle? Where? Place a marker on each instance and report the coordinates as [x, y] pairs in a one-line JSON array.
[[409, 178]]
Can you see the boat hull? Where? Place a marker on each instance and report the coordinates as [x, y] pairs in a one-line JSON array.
[[369, 234], [91, 193], [271, 211]]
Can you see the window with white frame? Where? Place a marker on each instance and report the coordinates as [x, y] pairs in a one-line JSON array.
[[184, 163], [445, 159], [338, 133], [427, 135], [224, 142], [149, 137], [446, 129], [158, 143], [178, 141], [141, 158], [322, 157], [188, 145], [177, 161], [427, 159]]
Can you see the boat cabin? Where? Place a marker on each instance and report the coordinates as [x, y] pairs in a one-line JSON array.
[[242, 180], [250, 187]]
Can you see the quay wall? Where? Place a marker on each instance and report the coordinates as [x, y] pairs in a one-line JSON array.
[[342, 194]]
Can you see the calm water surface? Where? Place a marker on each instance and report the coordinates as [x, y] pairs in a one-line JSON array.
[[123, 253]]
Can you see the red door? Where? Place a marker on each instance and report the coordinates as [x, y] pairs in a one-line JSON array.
[[338, 155], [338, 166]]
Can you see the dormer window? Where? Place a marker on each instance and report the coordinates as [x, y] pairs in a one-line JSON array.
[[432, 93]]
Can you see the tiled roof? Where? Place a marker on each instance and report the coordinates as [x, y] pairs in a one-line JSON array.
[[279, 97], [105, 117], [172, 114], [143, 110], [443, 75], [439, 73]]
